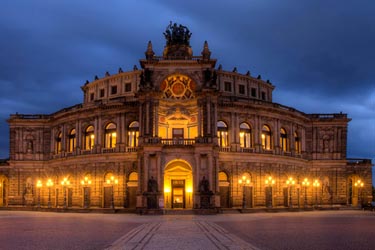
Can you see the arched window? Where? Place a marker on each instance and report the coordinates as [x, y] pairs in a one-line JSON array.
[[222, 133], [58, 143], [297, 143], [266, 138], [72, 140], [133, 133], [245, 136], [110, 135], [284, 140], [223, 177], [89, 138]]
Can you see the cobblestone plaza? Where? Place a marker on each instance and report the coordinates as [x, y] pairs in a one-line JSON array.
[[324, 230]]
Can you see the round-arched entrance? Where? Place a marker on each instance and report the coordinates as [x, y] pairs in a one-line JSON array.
[[178, 185], [3, 191]]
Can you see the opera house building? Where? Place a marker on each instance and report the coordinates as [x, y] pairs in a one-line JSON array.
[[180, 132]]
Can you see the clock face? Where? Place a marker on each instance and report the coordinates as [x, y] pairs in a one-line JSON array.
[[178, 87]]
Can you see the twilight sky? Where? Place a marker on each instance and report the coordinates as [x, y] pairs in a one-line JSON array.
[[320, 54]]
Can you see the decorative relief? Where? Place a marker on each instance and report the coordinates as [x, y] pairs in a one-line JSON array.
[[326, 136], [178, 87]]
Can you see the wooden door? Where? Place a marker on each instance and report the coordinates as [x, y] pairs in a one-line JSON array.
[[107, 199], [224, 197], [132, 199]]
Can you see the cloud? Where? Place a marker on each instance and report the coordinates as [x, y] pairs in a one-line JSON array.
[[320, 51]]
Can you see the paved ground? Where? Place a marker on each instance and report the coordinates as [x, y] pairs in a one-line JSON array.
[[261, 231]]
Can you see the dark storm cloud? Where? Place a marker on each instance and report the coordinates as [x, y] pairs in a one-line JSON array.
[[318, 51]]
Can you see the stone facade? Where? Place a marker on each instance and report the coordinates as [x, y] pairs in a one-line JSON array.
[[181, 133]]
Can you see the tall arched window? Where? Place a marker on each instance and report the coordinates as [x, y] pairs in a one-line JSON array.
[[58, 143], [110, 135], [222, 133], [266, 138], [72, 140], [89, 138], [133, 133], [297, 143], [245, 136], [284, 140]]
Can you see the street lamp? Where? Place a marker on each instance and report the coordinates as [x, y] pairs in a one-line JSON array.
[[112, 181], [65, 182], [290, 182], [85, 183], [269, 183], [243, 182], [316, 185], [39, 186], [305, 184], [49, 185], [359, 184]]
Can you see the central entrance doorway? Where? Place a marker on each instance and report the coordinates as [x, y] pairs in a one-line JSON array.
[[178, 193], [178, 185]]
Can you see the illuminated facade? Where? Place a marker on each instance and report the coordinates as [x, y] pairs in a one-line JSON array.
[[181, 133]]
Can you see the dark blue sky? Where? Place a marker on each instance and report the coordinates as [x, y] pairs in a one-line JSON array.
[[319, 54]]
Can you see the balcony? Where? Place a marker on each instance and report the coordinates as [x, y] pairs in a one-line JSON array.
[[177, 142]]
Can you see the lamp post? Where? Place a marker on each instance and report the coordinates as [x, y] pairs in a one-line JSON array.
[[290, 182], [316, 185], [85, 182], [39, 186], [305, 184], [269, 183], [49, 185], [112, 181], [65, 182], [243, 182], [359, 184]]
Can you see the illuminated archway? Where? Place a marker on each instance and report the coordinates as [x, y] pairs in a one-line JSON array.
[[3, 191], [178, 185]]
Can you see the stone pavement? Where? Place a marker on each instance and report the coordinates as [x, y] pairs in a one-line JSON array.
[[180, 234]]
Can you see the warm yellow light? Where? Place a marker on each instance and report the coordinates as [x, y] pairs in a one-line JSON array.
[[113, 134], [65, 182], [49, 183], [290, 181], [242, 134], [89, 182], [83, 182], [39, 184], [305, 182], [108, 181], [243, 177], [240, 181], [359, 183], [116, 181], [189, 190], [316, 183], [92, 136], [263, 136], [167, 190]]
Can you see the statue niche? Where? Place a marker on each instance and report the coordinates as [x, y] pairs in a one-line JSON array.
[[152, 193], [177, 42], [205, 193]]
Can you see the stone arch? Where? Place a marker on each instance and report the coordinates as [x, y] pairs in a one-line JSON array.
[[178, 184], [4, 190]]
